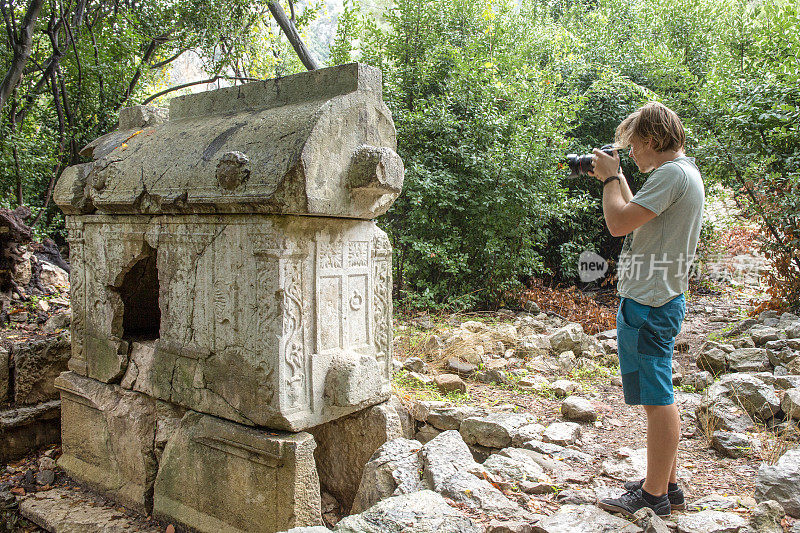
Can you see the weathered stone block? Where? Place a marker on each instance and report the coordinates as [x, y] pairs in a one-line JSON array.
[[36, 365], [107, 438], [281, 322], [344, 447], [24, 429], [315, 143], [216, 475]]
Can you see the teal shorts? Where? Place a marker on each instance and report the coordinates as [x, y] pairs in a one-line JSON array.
[[645, 340]]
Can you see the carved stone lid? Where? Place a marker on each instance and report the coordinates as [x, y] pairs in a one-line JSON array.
[[316, 143]]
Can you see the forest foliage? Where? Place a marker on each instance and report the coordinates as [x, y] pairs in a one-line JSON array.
[[89, 58], [487, 97]]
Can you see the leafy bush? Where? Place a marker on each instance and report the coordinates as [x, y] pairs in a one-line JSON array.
[[481, 134]]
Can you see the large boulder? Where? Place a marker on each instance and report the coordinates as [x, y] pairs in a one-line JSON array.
[[449, 469], [570, 337], [533, 345], [477, 493], [722, 414], [514, 469], [443, 456], [763, 334], [550, 466], [451, 416], [790, 404], [781, 482], [53, 277], [731, 444], [712, 360], [766, 518]]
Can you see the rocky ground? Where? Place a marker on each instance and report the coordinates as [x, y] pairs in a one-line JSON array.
[[516, 423], [539, 404]]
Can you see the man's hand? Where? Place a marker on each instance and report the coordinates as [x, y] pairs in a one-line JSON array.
[[604, 165]]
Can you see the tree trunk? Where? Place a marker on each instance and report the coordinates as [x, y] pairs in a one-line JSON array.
[[22, 45], [288, 28]]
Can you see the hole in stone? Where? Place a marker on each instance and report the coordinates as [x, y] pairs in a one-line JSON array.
[[141, 316]]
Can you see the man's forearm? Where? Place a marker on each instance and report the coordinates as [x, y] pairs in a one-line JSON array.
[[613, 202], [624, 189]]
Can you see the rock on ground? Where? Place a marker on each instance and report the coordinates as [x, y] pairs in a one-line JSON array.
[[450, 383], [393, 469], [731, 444], [419, 512], [586, 519], [495, 430], [577, 408], [346, 444], [37, 363], [514, 470], [790, 404], [752, 394], [562, 433], [627, 464], [710, 522], [766, 518], [451, 416], [781, 482]]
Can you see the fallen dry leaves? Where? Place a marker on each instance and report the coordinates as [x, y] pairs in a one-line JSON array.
[[575, 306]]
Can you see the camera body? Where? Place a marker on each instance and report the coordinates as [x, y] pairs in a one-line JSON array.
[[581, 165]]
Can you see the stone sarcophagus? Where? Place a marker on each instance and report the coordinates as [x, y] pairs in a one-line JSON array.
[[277, 321], [225, 264], [266, 318]]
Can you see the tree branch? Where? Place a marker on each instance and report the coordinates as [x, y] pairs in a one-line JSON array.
[[291, 33], [138, 74], [22, 46], [169, 60], [61, 134]]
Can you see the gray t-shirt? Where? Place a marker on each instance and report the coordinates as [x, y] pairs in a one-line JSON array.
[[656, 257]]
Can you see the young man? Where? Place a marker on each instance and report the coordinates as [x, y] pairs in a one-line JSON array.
[[661, 225]]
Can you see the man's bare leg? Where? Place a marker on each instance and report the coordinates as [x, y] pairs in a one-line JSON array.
[[673, 475], [663, 433]]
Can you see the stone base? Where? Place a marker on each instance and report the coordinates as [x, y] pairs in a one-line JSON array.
[[108, 439], [219, 476], [23, 429]]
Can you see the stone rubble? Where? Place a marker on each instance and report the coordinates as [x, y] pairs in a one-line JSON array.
[[466, 461]]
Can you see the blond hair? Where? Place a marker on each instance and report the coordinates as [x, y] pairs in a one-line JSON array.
[[654, 122]]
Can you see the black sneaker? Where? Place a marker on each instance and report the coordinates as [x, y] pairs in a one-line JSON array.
[[676, 499], [632, 501]]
